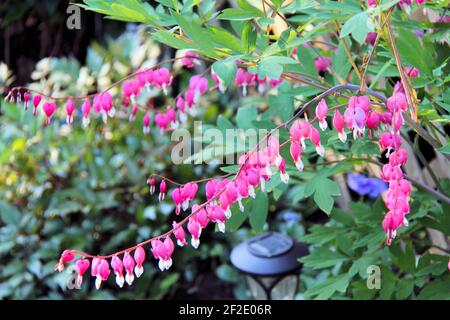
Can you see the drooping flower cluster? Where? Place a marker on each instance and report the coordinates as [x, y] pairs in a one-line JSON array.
[[245, 79], [255, 169], [374, 3], [396, 198]]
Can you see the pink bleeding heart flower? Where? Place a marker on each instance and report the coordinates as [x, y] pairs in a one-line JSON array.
[[95, 265], [172, 117], [188, 193], [49, 109], [139, 257], [189, 60], [355, 119], [201, 216], [371, 38], [162, 121], [179, 234], [372, 3], [242, 189], [117, 267], [397, 102], [412, 72], [107, 106], [244, 79], [390, 141], [162, 190], [129, 264], [146, 124], [151, 181], [390, 172], [315, 139], [162, 79], [102, 273], [85, 110], [70, 108], [195, 230], [284, 176], [338, 124], [133, 113], [81, 266], [252, 177], [273, 151], [26, 98], [322, 63], [36, 101], [163, 251], [362, 102], [66, 256], [296, 154], [321, 113], [398, 157], [217, 215], [210, 189], [127, 89], [373, 120], [390, 224], [181, 105], [177, 199]]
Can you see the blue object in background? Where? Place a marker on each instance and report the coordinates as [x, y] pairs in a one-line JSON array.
[[365, 186]]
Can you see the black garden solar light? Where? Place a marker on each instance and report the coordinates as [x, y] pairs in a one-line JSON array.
[[270, 264]]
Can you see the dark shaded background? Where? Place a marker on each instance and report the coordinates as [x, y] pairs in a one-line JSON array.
[[33, 29]]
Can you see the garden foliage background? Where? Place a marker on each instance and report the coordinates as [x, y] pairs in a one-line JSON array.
[[70, 187]]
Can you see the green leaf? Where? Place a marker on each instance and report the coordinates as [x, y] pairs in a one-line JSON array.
[[245, 116], [328, 287], [270, 70], [445, 149], [306, 58], [259, 211], [358, 26], [249, 37], [225, 71], [414, 53], [9, 214], [240, 14], [324, 190], [323, 258], [199, 35], [406, 259], [237, 217], [435, 290]]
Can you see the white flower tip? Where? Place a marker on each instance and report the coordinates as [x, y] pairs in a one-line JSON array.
[[195, 242], [129, 278], [98, 282], [299, 165], [120, 281], [138, 270], [320, 150], [221, 226], [284, 177]]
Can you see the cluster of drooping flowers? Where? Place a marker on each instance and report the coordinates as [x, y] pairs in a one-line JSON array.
[[245, 79], [396, 198], [256, 168], [374, 3]]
